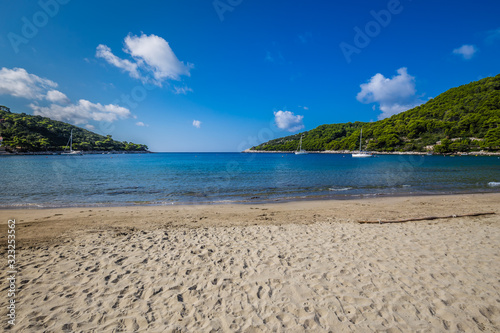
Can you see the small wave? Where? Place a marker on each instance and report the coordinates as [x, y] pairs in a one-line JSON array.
[[492, 184], [22, 205], [340, 189]]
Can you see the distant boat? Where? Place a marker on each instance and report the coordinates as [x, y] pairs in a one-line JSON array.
[[301, 151], [70, 144], [361, 152]]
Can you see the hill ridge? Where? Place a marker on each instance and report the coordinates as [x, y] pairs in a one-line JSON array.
[[462, 118], [27, 133]]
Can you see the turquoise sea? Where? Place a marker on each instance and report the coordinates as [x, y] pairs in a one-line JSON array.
[[184, 178]]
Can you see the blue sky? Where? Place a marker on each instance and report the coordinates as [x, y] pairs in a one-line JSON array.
[[225, 75]]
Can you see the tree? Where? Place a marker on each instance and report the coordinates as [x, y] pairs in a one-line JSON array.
[[43, 142]]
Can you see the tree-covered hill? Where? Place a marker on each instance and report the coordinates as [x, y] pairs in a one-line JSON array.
[[461, 119], [36, 133]]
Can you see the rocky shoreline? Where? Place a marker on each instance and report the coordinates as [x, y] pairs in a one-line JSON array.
[[473, 153], [93, 152]]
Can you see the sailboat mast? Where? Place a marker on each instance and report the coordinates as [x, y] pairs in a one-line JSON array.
[[71, 141]]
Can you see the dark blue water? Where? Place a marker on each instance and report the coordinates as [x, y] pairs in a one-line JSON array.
[[179, 178]]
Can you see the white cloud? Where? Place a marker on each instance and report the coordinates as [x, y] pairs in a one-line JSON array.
[[105, 52], [197, 123], [55, 96], [18, 82], [153, 59], [156, 52], [466, 51], [182, 90], [90, 127], [141, 124], [82, 112], [287, 121], [393, 95]]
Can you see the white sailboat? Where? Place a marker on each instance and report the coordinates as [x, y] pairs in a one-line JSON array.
[[299, 150], [70, 144], [361, 152]]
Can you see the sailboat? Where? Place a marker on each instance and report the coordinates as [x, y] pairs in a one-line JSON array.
[[299, 150], [70, 144], [361, 152]]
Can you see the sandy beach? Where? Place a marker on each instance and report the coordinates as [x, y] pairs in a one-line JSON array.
[[284, 267]]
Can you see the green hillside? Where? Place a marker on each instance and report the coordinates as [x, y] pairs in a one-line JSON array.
[[36, 133], [461, 119]]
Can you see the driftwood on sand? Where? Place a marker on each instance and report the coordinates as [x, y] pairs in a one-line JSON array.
[[427, 218]]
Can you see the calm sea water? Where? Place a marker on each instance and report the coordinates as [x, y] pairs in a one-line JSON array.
[[179, 178]]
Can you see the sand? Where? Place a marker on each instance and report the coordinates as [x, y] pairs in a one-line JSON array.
[[286, 267]]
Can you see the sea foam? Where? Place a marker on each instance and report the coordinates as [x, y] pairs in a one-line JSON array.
[[340, 189]]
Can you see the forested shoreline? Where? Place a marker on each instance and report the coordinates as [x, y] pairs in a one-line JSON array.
[[462, 119], [23, 133]]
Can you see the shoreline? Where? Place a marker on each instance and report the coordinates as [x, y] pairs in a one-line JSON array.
[[346, 152], [247, 151], [57, 153], [449, 204], [257, 201]]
